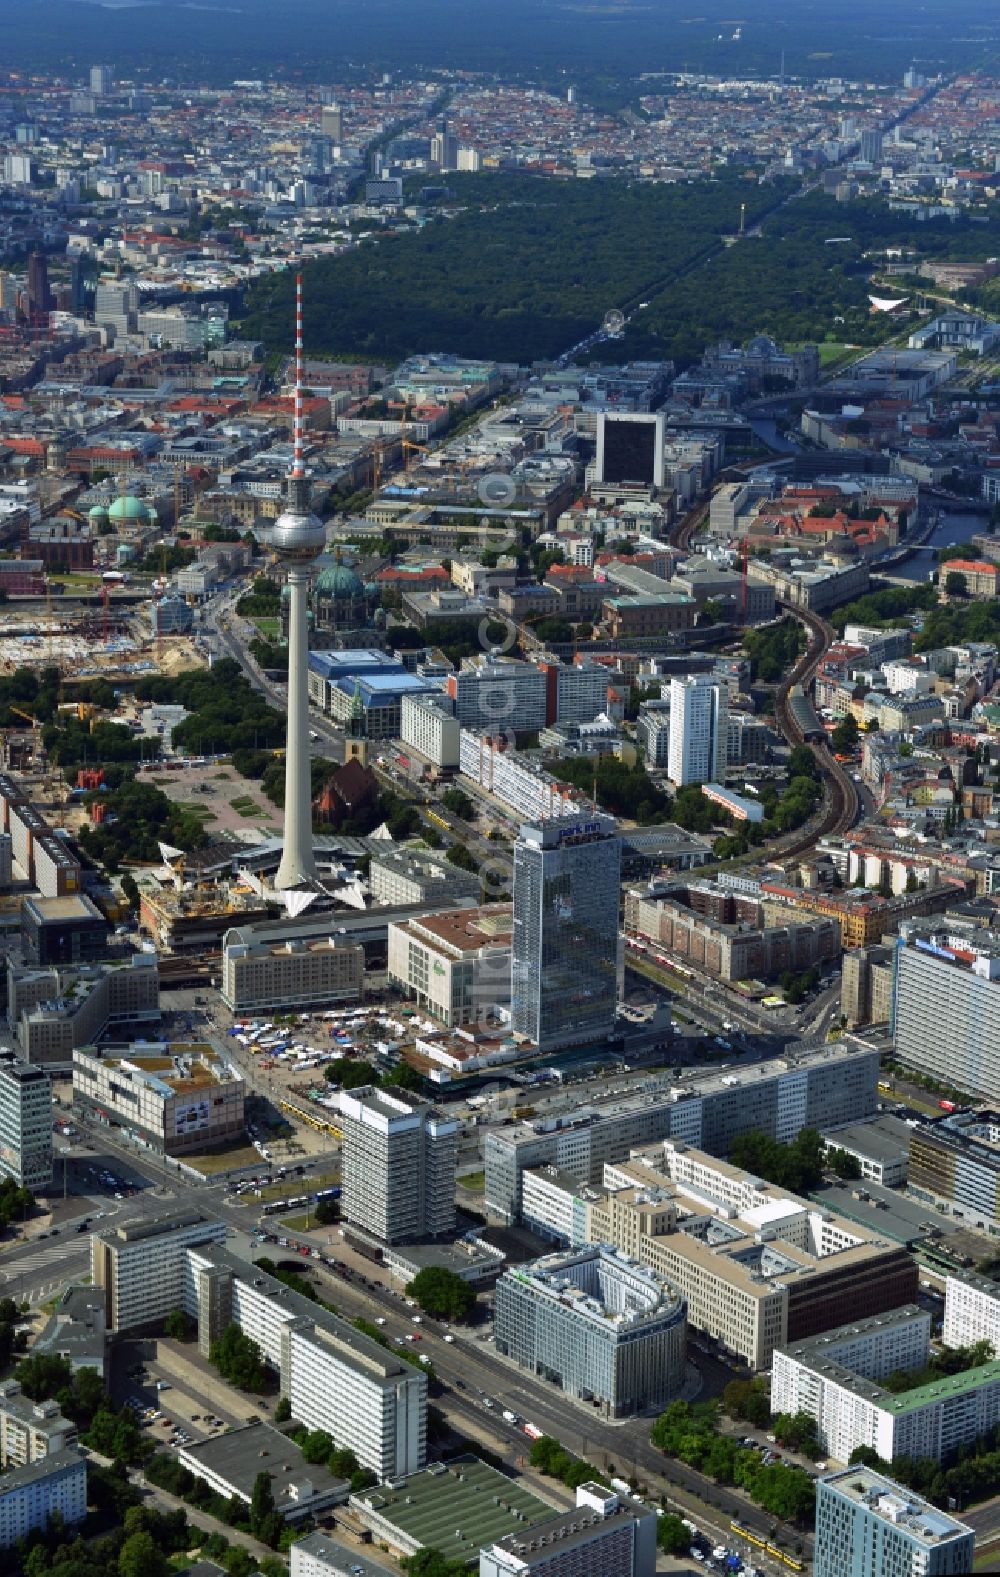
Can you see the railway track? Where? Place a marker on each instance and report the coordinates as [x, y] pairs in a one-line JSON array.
[[842, 799]]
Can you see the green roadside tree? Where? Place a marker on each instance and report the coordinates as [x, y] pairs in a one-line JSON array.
[[141, 1556], [442, 1294], [672, 1534]]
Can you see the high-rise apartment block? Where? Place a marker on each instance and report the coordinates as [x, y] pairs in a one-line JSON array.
[[398, 1166], [869, 1526], [335, 1378], [32, 1495], [30, 1430], [971, 1311], [946, 1005], [25, 1123], [834, 1378], [816, 1088], [102, 80], [564, 973], [699, 730], [332, 122], [871, 145]]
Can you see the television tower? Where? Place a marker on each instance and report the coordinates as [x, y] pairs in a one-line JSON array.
[[296, 538]]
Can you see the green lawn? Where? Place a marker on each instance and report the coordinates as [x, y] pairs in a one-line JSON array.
[[269, 628], [243, 805], [475, 1182], [221, 1160], [294, 1187]]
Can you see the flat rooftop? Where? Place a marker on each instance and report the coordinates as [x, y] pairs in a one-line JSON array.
[[75, 906], [888, 1212], [728, 1077], [240, 1454], [169, 1068], [467, 930], [455, 1507], [902, 1507], [341, 1560], [885, 1139]]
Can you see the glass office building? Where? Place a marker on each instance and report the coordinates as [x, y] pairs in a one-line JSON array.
[[564, 971]]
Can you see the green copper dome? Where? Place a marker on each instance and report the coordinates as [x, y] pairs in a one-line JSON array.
[[97, 512], [130, 508], [339, 581]]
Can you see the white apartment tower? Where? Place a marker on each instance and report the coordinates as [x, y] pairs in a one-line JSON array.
[[398, 1166], [699, 720], [25, 1123]]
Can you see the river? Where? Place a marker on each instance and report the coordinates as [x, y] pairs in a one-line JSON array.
[[952, 526]]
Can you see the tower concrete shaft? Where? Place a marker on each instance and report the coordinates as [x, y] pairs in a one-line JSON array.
[[297, 864]]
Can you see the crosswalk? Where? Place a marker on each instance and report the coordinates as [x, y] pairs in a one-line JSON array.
[[15, 1268]]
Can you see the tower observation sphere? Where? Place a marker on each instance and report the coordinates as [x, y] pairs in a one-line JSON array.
[[295, 539]]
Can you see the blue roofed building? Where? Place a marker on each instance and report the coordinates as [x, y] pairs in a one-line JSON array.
[[340, 680]]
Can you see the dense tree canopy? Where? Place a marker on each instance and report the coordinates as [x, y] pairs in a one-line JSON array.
[[797, 1166], [442, 1294], [238, 1359], [138, 817], [528, 268], [628, 792], [689, 1433]]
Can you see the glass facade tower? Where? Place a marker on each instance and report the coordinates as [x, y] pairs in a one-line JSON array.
[[564, 969]]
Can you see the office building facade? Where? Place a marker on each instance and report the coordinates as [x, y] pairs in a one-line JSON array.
[[869, 1526], [400, 877], [51, 1011], [605, 1535], [182, 1098], [699, 730], [757, 1267], [955, 1162], [25, 1124], [564, 960], [300, 973], [58, 931], [631, 449], [398, 1167], [456, 965], [600, 1327], [497, 695]]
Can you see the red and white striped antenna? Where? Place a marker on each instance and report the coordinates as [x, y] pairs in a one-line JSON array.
[[298, 470]]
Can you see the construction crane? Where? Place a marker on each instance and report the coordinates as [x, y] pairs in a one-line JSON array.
[[36, 728], [409, 447]]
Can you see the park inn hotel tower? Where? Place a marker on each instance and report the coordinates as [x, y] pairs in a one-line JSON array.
[[564, 955]]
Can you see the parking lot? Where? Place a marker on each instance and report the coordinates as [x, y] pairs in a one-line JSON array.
[[176, 1395]]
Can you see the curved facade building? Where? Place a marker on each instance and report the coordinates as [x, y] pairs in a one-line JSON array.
[[599, 1325]]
